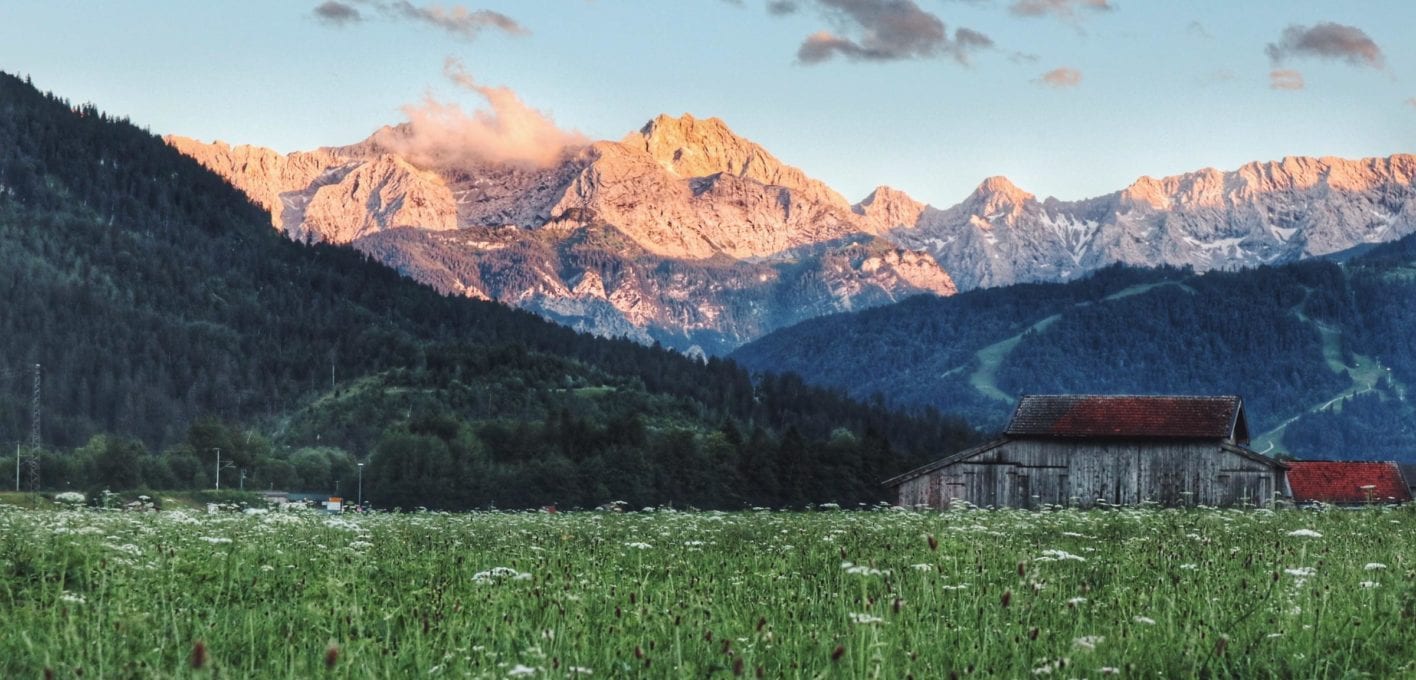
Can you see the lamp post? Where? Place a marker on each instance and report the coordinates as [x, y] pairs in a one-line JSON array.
[[361, 487]]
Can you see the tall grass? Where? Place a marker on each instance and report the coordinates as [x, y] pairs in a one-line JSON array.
[[879, 593]]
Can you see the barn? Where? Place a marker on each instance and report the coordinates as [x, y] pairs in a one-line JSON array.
[[1086, 450], [1347, 482]]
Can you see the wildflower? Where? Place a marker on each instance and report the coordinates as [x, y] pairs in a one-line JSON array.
[[198, 654], [1369, 584], [865, 619], [838, 652], [1189, 566], [862, 569], [1301, 572], [638, 545], [1144, 619], [498, 573], [1062, 555], [331, 656], [1305, 533], [71, 598], [1088, 642], [1110, 670], [521, 671], [922, 567], [580, 670], [1374, 566], [1076, 601], [216, 540]]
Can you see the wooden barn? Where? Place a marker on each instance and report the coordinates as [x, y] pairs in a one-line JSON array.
[[1119, 450], [1347, 482]]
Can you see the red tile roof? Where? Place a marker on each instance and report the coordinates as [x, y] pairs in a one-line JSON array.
[[1129, 416], [1342, 482]]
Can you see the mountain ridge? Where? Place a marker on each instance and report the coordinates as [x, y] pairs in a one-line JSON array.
[[689, 189]]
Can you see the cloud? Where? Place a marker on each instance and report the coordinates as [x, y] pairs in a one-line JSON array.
[[1327, 40], [456, 20], [1063, 77], [1198, 30], [337, 13], [782, 7], [1285, 79], [442, 134], [1061, 9], [885, 30]]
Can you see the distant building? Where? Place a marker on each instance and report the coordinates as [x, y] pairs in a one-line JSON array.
[[1119, 450], [1347, 482], [1408, 471]]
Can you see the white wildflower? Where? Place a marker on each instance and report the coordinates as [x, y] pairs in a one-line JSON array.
[[865, 619], [1305, 533], [863, 570], [1369, 584], [638, 545], [1144, 619], [1076, 601], [72, 598], [1110, 670], [498, 573], [216, 540], [1063, 555], [520, 671], [1189, 566], [1088, 642], [922, 567], [1301, 572], [580, 670], [1374, 566]]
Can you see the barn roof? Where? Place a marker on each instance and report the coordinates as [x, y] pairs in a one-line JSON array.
[[1095, 416], [1346, 481]]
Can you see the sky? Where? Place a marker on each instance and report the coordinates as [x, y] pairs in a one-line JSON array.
[[1068, 98]]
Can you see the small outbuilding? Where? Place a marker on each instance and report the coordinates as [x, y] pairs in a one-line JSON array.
[[1408, 471], [1347, 482], [1085, 450]]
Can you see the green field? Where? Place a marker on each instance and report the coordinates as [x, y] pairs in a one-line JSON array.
[[872, 593]]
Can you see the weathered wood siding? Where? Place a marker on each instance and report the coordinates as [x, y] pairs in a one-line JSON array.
[[1032, 473]]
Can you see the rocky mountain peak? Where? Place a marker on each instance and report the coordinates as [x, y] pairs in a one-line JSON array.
[[998, 194], [689, 147], [889, 208]]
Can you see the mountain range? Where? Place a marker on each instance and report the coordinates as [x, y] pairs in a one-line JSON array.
[[687, 234]]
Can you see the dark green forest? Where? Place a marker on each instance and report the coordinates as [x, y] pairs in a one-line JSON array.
[[170, 320], [1322, 352]]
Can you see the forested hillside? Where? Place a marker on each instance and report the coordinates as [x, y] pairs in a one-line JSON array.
[[1320, 351], [166, 313]]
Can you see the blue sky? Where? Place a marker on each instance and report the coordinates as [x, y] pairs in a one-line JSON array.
[[1164, 87]]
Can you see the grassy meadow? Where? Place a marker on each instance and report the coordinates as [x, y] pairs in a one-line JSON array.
[[870, 593]]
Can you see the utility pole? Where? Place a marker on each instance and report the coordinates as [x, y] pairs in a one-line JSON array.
[[361, 486], [218, 468], [34, 433]]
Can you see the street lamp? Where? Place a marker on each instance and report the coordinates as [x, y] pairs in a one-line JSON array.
[[361, 487]]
